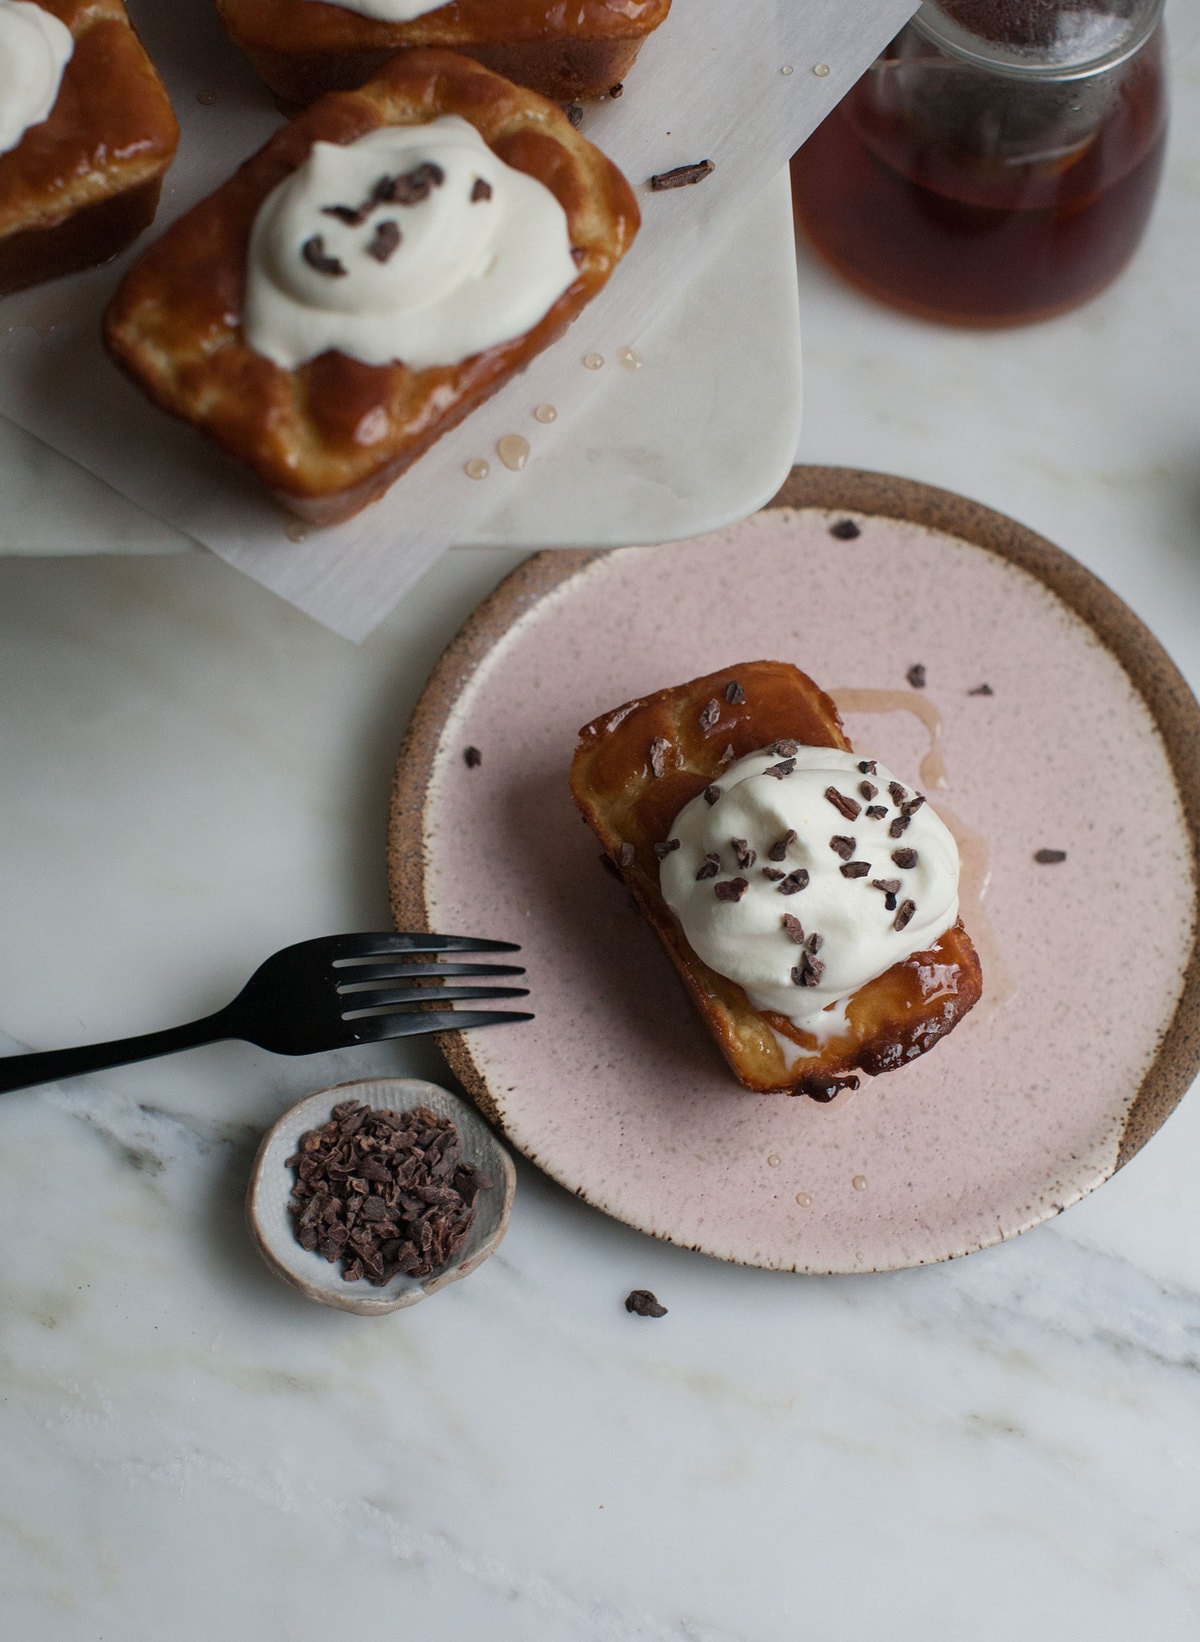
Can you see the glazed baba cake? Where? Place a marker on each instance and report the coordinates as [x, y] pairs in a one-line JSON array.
[[390, 259], [303, 48], [86, 135], [808, 898]]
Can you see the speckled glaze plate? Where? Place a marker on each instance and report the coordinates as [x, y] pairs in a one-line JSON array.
[[1089, 743]]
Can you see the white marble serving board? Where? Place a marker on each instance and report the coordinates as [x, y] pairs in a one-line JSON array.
[[697, 435]]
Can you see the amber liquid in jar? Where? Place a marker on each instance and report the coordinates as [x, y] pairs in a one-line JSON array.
[[936, 227]]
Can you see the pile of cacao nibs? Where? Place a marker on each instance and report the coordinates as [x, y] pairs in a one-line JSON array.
[[383, 1192]]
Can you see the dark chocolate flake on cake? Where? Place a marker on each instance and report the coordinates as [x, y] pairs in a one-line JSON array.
[[641, 1303], [574, 113], [481, 190], [385, 240], [728, 756], [867, 789], [794, 882], [710, 714], [867, 767], [472, 757], [855, 869], [916, 676], [773, 873], [844, 530], [889, 886], [664, 849], [730, 889], [876, 812], [815, 943], [849, 807], [349, 214], [904, 916], [734, 694], [898, 826], [905, 858], [843, 846], [780, 847], [410, 187], [781, 769], [626, 855], [793, 928], [787, 748], [899, 793], [1049, 858], [912, 805], [711, 794], [743, 854], [314, 253], [709, 867]]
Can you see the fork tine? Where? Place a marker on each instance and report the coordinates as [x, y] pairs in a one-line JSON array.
[[376, 1028], [362, 1003], [341, 947], [362, 974]]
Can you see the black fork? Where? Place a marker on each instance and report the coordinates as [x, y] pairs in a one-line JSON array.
[[317, 995]]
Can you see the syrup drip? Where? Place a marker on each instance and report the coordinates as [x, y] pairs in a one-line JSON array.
[[545, 413], [933, 765], [859, 1183], [476, 468], [630, 358], [804, 1200], [999, 984], [513, 451], [593, 361], [296, 532]]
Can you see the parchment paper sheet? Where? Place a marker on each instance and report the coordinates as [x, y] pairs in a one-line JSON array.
[[712, 83]]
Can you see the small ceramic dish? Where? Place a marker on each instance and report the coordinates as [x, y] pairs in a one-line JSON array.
[[271, 1185]]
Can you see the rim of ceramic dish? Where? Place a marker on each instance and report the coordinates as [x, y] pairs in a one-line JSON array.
[[831, 490]]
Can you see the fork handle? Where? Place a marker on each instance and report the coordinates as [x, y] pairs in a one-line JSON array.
[[52, 1065]]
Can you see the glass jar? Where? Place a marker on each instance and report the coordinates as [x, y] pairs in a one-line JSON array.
[[998, 164]]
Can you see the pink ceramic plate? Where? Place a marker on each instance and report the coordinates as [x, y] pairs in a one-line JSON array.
[[1089, 742]]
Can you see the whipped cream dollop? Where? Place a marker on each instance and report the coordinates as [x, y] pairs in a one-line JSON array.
[[414, 243], [390, 11], [804, 872], [35, 48]]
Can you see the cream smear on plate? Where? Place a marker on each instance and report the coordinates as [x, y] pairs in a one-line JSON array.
[[35, 48], [802, 873], [414, 243]]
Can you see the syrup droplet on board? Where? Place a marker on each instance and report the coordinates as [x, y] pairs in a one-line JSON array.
[[804, 1200], [206, 98], [787, 69], [774, 1160], [821, 70], [296, 532], [593, 361], [859, 1183], [476, 468], [630, 358], [513, 451], [545, 413]]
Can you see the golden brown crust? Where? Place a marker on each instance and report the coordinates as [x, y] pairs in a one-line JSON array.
[[174, 324], [560, 48], [892, 1019], [81, 184]]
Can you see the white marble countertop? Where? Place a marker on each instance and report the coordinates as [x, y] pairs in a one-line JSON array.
[[194, 774]]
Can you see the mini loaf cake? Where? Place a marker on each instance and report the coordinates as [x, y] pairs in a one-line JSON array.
[[303, 48], [383, 265], [808, 899], [86, 135]]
